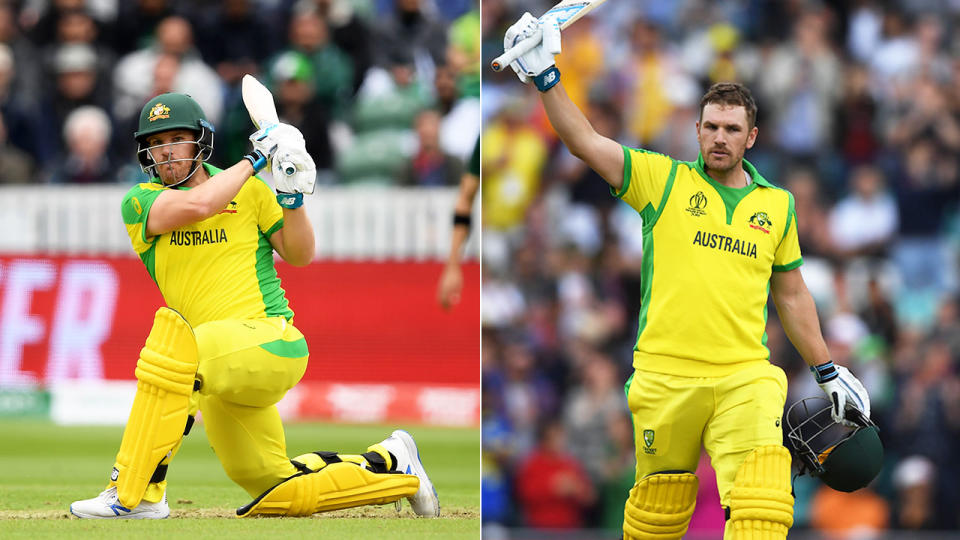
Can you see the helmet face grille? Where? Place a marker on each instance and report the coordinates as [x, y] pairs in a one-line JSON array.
[[812, 431]]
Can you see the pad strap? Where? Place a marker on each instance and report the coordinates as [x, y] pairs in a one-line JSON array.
[[336, 486]]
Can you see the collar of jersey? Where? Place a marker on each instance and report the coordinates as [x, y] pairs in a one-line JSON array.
[[755, 177]]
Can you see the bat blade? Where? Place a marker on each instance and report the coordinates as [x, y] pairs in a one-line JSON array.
[[258, 101], [260, 106], [566, 12]]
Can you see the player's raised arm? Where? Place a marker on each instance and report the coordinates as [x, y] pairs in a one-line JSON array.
[[602, 154], [294, 241], [175, 152]]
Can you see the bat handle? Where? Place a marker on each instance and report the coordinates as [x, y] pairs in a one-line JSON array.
[[515, 52], [288, 168]]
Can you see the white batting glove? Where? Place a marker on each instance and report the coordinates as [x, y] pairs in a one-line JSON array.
[[269, 138], [304, 177], [843, 390], [540, 58]]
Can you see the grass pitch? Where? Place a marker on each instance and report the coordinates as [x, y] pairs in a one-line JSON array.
[[44, 467]]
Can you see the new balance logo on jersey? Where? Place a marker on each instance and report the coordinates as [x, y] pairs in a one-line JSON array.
[[725, 243], [197, 238]]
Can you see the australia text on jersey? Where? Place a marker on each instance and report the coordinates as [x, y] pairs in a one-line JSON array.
[[197, 238], [725, 243]]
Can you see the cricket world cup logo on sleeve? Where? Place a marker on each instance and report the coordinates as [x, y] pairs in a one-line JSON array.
[[648, 435]]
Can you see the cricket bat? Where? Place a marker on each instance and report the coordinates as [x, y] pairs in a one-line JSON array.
[[566, 12], [259, 103]]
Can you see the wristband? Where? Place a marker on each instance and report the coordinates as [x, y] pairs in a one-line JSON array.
[[825, 372], [257, 159], [290, 200], [547, 79], [462, 219]]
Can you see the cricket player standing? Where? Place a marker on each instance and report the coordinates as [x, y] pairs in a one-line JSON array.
[[717, 238], [227, 345], [451, 280]]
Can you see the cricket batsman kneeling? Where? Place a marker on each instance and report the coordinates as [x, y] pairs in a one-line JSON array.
[[717, 237], [226, 344]]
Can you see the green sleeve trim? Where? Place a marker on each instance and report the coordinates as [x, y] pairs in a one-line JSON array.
[[274, 228], [149, 259], [626, 387], [789, 266], [287, 349], [627, 173], [138, 198], [666, 192], [273, 295], [791, 216]]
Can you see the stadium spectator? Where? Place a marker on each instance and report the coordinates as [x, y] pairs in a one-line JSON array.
[[16, 166], [86, 133], [430, 165], [415, 32], [77, 82], [234, 39], [864, 222], [133, 81], [552, 488], [294, 80], [460, 113], [21, 112], [351, 33], [333, 70]]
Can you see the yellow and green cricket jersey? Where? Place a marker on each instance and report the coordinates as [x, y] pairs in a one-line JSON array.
[[215, 269], [708, 254]]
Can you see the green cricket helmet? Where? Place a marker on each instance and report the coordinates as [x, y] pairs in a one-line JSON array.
[[172, 111], [845, 458]]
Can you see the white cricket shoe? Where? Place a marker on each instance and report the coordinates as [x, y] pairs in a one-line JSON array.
[[107, 506], [424, 502]]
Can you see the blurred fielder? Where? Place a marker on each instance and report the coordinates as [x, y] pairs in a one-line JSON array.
[[226, 345], [718, 238], [451, 280]]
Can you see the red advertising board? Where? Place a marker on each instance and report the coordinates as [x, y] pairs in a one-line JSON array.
[[365, 322]]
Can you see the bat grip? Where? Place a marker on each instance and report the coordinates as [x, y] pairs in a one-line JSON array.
[[288, 168], [515, 52]]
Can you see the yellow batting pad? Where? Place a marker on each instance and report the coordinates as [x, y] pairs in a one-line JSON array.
[[761, 506], [165, 372], [335, 486], [660, 507]]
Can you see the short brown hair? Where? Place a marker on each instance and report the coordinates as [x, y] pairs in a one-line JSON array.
[[731, 93]]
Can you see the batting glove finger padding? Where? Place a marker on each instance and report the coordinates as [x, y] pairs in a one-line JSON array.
[[526, 27], [843, 390], [294, 170], [273, 136]]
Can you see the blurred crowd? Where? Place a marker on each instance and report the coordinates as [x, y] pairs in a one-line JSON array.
[[859, 117], [385, 91]]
